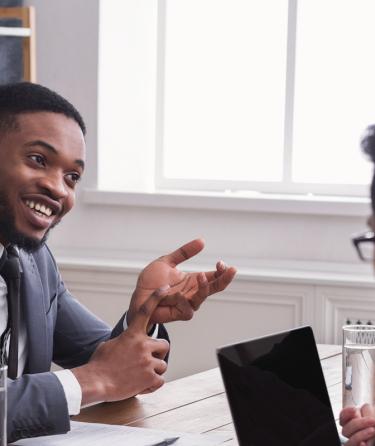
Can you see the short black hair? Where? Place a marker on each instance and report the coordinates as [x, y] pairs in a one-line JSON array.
[[368, 147], [26, 97]]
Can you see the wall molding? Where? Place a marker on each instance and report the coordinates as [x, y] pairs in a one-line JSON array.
[[254, 305], [298, 272], [339, 303]]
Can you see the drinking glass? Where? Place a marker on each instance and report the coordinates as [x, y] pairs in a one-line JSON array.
[[358, 365], [3, 405]]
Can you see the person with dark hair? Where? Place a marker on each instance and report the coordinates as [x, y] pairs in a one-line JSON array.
[[25, 97], [42, 158], [358, 423]]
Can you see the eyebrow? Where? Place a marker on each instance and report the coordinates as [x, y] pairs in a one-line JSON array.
[[52, 149]]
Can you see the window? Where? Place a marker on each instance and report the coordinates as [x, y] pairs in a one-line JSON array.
[[264, 95]]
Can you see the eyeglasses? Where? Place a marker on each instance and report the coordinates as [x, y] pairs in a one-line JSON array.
[[364, 245]]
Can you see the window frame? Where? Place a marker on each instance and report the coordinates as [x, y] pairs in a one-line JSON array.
[[286, 185]]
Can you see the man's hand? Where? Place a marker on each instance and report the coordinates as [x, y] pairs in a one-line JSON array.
[[186, 291], [358, 425], [127, 365]]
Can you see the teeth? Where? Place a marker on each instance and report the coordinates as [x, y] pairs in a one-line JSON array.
[[41, 208]]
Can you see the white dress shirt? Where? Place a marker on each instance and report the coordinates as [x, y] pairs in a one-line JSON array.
[[70, 384]]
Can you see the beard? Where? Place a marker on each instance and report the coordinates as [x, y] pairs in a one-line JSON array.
[[9, 232]]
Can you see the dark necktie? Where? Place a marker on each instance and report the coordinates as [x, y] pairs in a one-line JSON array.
[[10, 271]]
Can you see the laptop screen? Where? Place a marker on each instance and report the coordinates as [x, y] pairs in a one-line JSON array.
[[277, 392]]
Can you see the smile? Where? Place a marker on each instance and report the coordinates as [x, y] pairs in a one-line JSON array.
[[39, 208]]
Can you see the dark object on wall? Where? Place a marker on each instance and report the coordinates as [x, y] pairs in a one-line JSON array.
[[11, 3], [11, 60], [16, 51], [11, 64]]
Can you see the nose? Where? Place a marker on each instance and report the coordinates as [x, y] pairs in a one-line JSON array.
[[53, 184]]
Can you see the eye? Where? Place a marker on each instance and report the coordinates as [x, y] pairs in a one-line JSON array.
[[73, 177], [39, 159]]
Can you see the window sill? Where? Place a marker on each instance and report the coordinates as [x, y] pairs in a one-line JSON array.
[[233, 201]]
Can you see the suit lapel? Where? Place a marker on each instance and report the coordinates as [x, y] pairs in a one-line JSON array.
[[33, 302]]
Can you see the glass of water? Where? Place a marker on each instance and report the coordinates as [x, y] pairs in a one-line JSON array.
[[3, 405], [358, 365]]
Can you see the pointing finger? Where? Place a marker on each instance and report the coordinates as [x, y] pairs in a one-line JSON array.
[[142, 317], [185, 252]]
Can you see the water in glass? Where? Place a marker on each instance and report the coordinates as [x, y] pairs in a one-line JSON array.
[[358, 365]]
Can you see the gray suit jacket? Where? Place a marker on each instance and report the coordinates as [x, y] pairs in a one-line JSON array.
[[59, 329]]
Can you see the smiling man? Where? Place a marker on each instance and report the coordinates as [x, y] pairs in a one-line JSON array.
[[27, 212], [42, 158]]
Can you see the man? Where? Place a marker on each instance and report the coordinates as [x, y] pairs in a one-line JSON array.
[[359, 423], [42, 158]]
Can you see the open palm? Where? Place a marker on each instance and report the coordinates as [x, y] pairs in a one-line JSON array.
[[186, 291]]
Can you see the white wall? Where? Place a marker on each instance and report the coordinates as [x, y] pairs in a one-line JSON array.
[[67, 42]]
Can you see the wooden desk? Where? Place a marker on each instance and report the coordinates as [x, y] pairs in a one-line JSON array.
[[197, 403]]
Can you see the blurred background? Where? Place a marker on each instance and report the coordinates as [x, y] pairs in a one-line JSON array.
[[236, 121]]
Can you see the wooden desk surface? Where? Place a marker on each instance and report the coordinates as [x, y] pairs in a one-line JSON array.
[[197, 403]]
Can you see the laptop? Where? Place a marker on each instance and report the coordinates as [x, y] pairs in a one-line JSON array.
[[276, 391]]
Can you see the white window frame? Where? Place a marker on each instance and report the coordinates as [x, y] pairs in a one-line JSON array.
[[172, 195], [286, 185]]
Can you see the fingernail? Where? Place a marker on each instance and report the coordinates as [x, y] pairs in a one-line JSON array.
[[162, 290], [222, 265]]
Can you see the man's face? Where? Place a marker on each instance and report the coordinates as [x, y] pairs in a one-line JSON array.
[[40, 164]]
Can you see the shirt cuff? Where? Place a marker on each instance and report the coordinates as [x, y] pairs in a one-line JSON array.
[[72, 390], [153, 332]]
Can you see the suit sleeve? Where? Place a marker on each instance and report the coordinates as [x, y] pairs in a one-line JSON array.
[[36, 407], [36, 402]]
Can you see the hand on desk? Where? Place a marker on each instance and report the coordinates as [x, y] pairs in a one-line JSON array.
[[358, 424], [130, 364], [187, 290]]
